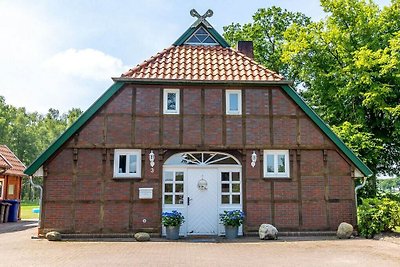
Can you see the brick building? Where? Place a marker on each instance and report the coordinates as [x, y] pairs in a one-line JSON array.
[[199, 128], [11, 173]]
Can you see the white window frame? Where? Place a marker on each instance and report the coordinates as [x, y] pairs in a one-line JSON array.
[[277, 174], [174, 193], [127, 153], [230, 192], [228, 103], [165, 100]]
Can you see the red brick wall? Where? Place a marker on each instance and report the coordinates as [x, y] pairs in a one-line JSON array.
[[82, 196]]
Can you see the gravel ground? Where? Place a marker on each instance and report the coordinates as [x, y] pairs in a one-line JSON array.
[[18, 249]]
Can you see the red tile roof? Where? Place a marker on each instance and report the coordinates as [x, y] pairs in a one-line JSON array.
[[15, 166], [202, 63], [4, 164]]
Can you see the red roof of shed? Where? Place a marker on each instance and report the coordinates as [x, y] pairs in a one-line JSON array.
[[9, 161]]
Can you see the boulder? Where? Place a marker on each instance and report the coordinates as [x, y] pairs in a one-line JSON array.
[[344, 231], [268, 231], [142, 237], [53, 236]]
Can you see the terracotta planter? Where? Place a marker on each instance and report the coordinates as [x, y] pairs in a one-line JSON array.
[[231, 232], [172, 232]]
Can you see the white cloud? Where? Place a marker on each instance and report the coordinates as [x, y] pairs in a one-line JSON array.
[[37, 69], [87, 63]]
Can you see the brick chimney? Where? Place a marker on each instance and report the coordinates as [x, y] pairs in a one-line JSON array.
[[246, 48]]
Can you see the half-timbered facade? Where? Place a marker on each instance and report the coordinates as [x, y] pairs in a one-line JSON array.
[[199, 128]]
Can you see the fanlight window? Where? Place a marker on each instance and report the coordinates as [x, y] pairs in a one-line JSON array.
[[201, 37], [202, 158]]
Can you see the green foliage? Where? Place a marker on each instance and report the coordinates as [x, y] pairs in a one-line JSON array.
[[232, 218], [389, 185], [350, 67], [346, 66], [378, 215], [365, 146], [173, 218], [267, 33], [28, 134], [392, 196]]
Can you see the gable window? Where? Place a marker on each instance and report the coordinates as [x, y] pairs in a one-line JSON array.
[[127, 163], [233, 102], [171, 101], [276, 163], [201, 37]]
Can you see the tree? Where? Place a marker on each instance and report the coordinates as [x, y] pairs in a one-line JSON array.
[[347, 67], [28, 134], [267, 33], [350, 68]]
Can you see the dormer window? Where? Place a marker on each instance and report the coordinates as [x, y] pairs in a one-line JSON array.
[[201, 37]]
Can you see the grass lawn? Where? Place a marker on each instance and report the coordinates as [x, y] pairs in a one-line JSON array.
[[26, 211]]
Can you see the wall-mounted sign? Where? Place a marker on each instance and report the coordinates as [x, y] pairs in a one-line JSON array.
[[145, 193]]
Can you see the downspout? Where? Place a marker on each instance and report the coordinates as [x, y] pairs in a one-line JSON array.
[[40, 199], [358, 187]]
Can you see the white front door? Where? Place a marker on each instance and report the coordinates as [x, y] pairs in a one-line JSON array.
[[202, 201]]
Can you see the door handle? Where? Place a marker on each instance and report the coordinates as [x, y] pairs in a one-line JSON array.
[[188, 200]]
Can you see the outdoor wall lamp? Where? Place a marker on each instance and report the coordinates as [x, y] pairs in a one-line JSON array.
[[253, 159], [151, 159]]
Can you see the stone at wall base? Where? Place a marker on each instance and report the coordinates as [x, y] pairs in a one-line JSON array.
[[345, 230], [268, 232], [53, 236], [142, 237]]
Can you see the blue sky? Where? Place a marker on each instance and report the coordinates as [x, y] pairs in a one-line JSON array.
[[62, 53]]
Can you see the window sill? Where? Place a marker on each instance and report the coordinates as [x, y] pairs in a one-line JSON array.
[[277, 177], [127, 177]]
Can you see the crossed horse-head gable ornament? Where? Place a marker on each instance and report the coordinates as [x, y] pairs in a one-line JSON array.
[[201, 19]]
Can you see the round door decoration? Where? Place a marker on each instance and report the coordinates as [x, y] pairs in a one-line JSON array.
[[202, 184]]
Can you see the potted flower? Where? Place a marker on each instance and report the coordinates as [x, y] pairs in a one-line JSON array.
[[232, 220], [172, 222]]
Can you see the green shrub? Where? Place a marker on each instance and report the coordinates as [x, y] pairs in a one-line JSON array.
[[378, 215]]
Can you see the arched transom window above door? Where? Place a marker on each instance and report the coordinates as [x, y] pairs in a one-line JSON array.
[[202, 159]]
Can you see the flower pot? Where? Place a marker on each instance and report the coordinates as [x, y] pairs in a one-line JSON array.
[[172, 232], [231, 232]]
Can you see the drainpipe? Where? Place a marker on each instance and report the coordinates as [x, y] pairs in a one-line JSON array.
[[358, 187], [40, 199]]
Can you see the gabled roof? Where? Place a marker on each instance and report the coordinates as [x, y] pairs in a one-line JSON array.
[[202, 63], [10, 162], [183, 64]]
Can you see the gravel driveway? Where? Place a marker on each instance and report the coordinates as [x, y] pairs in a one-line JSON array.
[[18, 249]]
